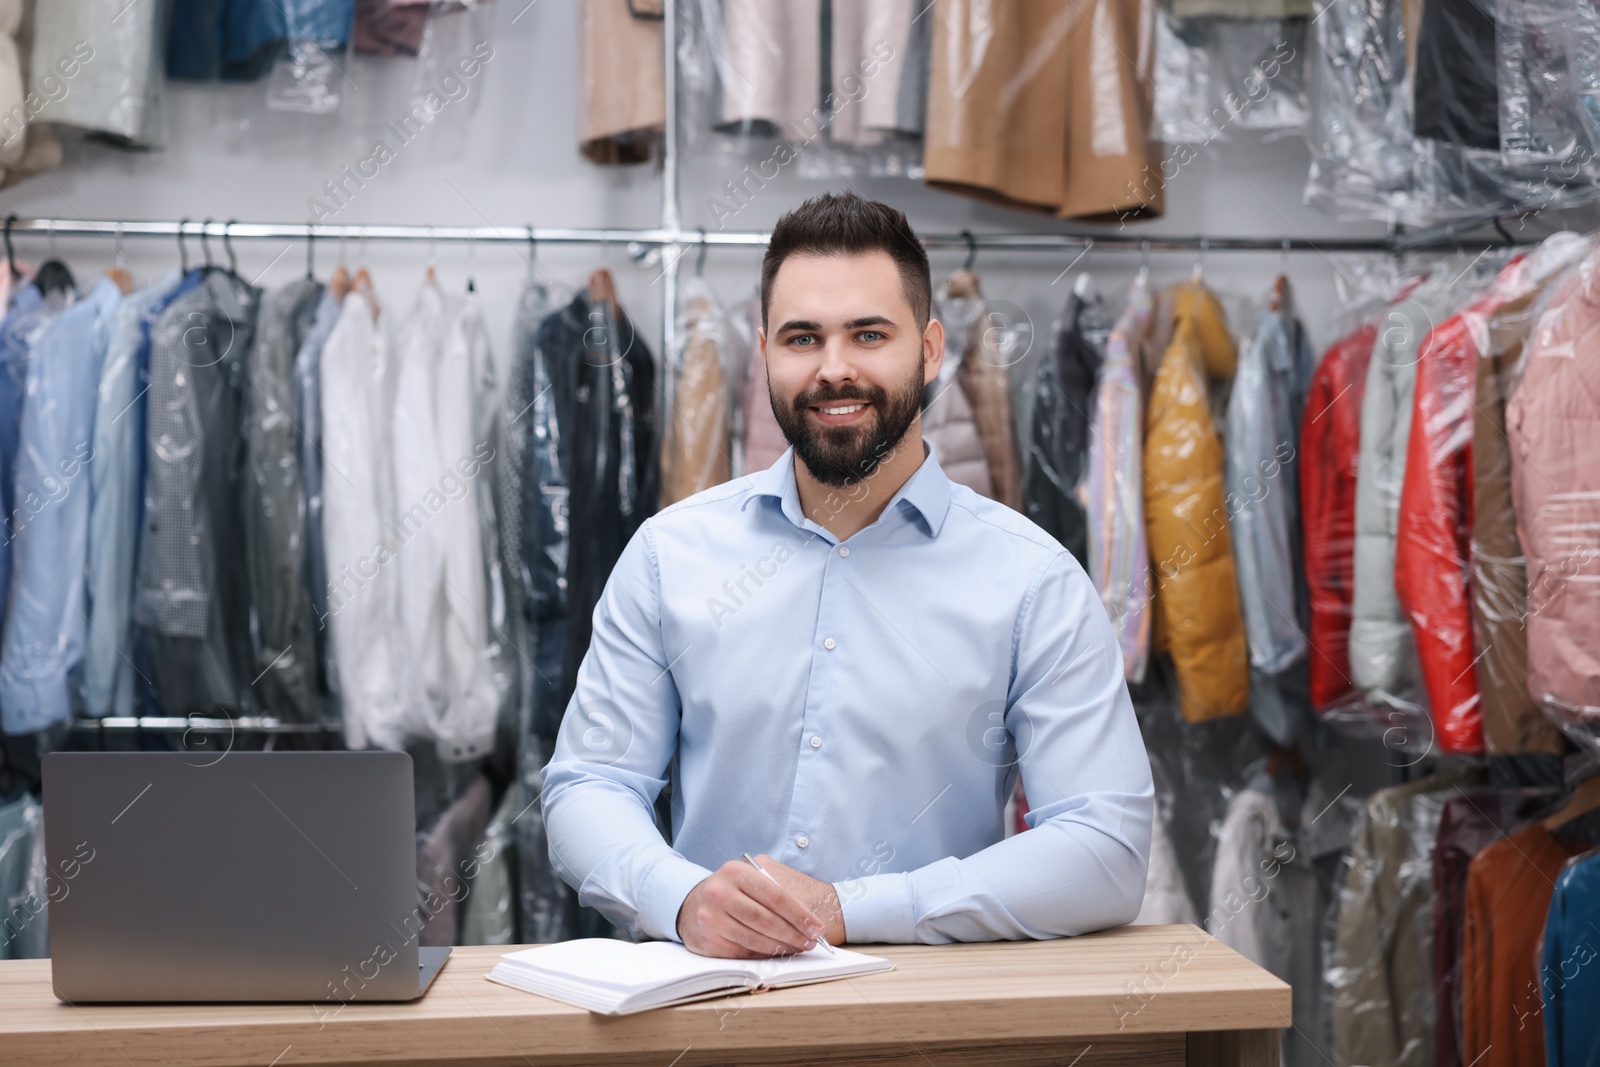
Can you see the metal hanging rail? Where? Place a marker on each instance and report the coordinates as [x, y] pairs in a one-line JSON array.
[[111, 229]]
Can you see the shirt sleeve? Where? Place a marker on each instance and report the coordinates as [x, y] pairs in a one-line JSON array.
[[617, 737], [1081, 864]]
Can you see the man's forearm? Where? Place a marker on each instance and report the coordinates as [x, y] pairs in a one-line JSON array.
[[1062, 878], [604, 841]]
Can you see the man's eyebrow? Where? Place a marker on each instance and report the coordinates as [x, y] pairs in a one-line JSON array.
[[799, 324], [870, 320], [853, 324]]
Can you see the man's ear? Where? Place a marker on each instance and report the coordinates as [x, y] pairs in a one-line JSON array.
[[761, 341], [932, 350]]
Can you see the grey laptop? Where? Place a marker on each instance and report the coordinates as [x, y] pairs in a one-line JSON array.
[[257, 876]]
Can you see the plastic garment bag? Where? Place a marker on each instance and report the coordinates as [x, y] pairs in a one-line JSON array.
[[1063, 408], [947, 417], [1548, 55], [306, 77], [1330, 435], [1217, 76], [377, 679], [193, 603], [1186, 517], [100, 63], [988, 341], [696, 450], [1554, 426], [490, 917], [275, 508], [1113, 487], [1381, 968], [24, 931]]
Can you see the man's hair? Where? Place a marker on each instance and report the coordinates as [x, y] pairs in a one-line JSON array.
[[845, 224]]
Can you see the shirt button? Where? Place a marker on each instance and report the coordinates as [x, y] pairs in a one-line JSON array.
[[803, 841], [816, 742], [844, 550], [828, 644]]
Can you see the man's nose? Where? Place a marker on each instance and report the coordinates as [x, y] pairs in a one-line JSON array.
[[837, 362]]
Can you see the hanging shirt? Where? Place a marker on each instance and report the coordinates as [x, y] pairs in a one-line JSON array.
[[44, 630], [275, 509], [115, 488], [378, 684], [308, 418], [782, 702], [1569, 979], [192, 599], [31, 314], [1113, 489], [1063, 406]]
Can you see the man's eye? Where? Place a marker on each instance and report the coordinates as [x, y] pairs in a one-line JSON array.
[[800, 338], [870, 336]]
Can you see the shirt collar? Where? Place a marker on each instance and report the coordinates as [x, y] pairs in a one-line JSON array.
[[927, 491]]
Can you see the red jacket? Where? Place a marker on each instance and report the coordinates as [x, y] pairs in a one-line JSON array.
[[1433, 543], [1330, 433]]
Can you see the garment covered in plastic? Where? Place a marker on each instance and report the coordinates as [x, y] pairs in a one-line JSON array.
[[285, 664], [1330, 436], [948, 420], [1186, 514], [108, 677], [1045, 106], [100, 63], [45, 624], [761, 439], [366, 641], [24, 931], [1548, 58], [1382, 963], [1381, 654], [624, 104], [1498, 585], [1569, 987], [1064, 396], [1216, 75], [490, 917], [195, 606], [1113, 485], [1553, 421], [695, 452], [983, 375]]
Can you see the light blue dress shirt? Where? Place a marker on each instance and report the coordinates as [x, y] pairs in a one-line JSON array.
[[859, 710], [115, 491], [45, 621]]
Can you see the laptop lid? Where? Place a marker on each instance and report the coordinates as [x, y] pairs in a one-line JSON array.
[[258, 876]]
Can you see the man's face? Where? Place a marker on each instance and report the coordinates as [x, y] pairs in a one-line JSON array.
[[845, 361]]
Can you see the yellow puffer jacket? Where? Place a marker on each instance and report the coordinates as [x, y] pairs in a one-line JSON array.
[[1186, 515]]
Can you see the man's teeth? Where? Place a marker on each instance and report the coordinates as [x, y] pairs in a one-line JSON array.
[[844, 410]]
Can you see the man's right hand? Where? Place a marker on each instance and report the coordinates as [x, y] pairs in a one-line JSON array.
[[740, 913]]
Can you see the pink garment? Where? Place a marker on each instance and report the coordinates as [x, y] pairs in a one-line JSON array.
[[763, 437], [1553, 421]]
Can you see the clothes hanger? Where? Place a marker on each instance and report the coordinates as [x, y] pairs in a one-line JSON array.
[[227, 246], [340, 282], [183, 249], [972, 250], [118, 273], [700, 264], [472, 259], [1144, 262], [1279, 298], [311, 244], [429, 277], [1198, 275], [205, 243], [11, 258], [1584, 799], [602, 288], [53, 275], [362, 283]]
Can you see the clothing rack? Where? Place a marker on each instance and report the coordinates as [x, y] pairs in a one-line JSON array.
[[672, 239]]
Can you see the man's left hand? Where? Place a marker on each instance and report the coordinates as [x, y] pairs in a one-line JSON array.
[[818, 896]]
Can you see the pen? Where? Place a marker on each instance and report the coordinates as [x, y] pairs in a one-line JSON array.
[[822, 942]]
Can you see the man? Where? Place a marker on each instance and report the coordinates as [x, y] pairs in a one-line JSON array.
[[846, 659]]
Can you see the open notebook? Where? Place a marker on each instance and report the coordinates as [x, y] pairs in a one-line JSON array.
[[620, 977]]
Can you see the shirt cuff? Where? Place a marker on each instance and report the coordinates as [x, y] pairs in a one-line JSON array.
[[877, 909], [662, 895]]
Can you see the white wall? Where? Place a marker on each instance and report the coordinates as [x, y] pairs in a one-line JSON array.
[[227, 157]]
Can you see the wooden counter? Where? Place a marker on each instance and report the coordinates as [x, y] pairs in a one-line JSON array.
[[1144, 996]]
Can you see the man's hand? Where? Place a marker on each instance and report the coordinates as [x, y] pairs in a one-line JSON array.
[[739, 913]]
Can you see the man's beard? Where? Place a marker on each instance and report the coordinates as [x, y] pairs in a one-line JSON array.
[[840, 456]]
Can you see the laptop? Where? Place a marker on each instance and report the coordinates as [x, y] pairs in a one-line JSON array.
[[259, 876]]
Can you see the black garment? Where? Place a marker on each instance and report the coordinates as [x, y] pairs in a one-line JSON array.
[[1061, 414], [604, 380], [1456, 91], [192, 596], [275, 509]]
